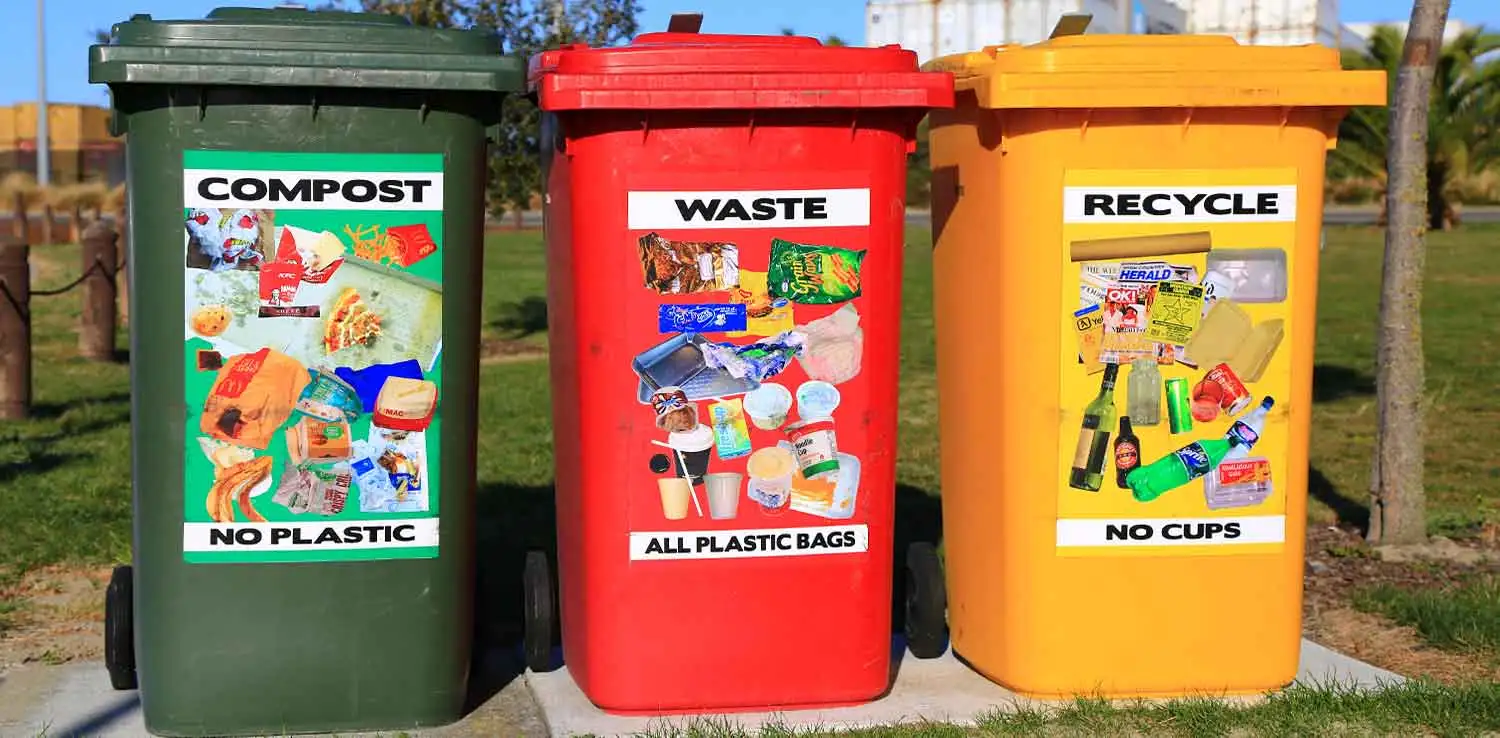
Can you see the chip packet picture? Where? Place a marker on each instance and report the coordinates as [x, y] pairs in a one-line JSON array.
[[687, 267], [813, 275]]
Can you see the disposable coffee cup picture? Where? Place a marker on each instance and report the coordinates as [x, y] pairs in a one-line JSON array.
[[674, 412], [768, 405], [676, 493], [693, 449], [723, 494]]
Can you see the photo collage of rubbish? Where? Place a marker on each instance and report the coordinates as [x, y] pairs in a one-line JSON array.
[[312, 347], [760, 350], [1177, 368]]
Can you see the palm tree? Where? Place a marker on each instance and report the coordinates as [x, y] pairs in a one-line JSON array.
[[1461, 128]]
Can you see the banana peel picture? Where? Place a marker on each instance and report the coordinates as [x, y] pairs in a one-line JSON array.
[[232, 489]]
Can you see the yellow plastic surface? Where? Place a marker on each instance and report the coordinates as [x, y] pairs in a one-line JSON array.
[[1142, 71], [1073, 109]]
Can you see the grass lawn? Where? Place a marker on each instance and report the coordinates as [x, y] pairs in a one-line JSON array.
[[1413, 709], [1462, 616], [67, 472]]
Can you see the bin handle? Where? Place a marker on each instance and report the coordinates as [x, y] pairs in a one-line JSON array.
[[1071, 24], [685, 23]]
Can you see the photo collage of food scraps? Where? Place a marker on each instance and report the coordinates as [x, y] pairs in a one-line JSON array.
[[313, 336], [1177, 295], [757, 356]]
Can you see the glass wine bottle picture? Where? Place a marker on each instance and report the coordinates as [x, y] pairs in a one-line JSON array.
[[1093, 439], [1127, 452]]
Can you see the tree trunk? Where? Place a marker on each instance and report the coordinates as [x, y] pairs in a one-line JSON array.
[[518, 218], [1398, 506]]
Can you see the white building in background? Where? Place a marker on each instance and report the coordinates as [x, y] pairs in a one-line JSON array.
[[935, 28], [1263, 22]]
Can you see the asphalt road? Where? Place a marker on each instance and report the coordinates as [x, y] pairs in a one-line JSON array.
[[1332, 216]]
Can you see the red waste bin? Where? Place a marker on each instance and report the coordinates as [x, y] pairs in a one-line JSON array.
[[724, 225]]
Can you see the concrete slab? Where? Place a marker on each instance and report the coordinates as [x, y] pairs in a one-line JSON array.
[[76, 701], [941, 689]]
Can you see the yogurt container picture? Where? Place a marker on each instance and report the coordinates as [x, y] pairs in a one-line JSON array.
[[768, 405], [771, 470], [817, 399], [815, 445]]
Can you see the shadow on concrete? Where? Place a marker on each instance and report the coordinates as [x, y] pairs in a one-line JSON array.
[[919, 518], [126, 706], [510, 520]]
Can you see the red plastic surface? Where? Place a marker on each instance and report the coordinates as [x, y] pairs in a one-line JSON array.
[[664, 71], [663, 632]]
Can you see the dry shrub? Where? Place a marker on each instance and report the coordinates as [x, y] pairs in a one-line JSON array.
[[1352, 191], [114, 200], [19, 182], [1481, 189], [85, 195]]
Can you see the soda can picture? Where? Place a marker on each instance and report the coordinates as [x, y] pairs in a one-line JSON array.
[[1234, 397], [1179, 408]]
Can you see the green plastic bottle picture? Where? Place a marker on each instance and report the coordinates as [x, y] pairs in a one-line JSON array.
[[1184, 465]]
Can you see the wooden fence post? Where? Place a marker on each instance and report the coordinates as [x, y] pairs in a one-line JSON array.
[[96, 330], [49, 227], [123, 225], [21, 224], [15, 330]]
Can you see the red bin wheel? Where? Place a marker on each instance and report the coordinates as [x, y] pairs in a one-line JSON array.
[[926, 602], [537, 640]]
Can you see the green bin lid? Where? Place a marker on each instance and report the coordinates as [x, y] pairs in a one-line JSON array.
[[296, 47]]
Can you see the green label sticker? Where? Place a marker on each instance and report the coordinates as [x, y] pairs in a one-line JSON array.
[[317, 281]]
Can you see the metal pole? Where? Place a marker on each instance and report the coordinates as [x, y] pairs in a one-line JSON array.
[[43, 140]]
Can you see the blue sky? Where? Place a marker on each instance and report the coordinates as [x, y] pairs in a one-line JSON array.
[[70, 26]]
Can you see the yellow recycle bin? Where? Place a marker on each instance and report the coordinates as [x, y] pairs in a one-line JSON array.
[[1126, 244]]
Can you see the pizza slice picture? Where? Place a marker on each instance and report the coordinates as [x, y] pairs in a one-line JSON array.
[[350, 323]]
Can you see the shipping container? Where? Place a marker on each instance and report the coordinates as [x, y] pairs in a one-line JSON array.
[[969, 25], [1261, 22]]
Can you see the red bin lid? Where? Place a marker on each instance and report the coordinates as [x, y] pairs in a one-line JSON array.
[[675, 70]]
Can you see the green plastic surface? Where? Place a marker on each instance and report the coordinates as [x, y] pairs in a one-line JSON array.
[[274, 648], [303, 48]]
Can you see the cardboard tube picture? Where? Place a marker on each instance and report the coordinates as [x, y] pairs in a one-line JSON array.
[[1134, 247]]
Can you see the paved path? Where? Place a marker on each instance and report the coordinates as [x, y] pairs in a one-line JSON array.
[[76, 700], [942, 690]]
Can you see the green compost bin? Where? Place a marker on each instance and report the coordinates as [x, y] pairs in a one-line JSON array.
[[305, 220]]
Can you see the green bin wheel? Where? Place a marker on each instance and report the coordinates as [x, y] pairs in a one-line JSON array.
[[539, 613], [119, 629], [926, 602]]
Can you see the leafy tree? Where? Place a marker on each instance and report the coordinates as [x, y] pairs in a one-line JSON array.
[[829, 40], [1461, 128], [525, 28]]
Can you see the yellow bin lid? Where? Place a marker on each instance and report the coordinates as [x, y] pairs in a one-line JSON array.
[[1150, 71]]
